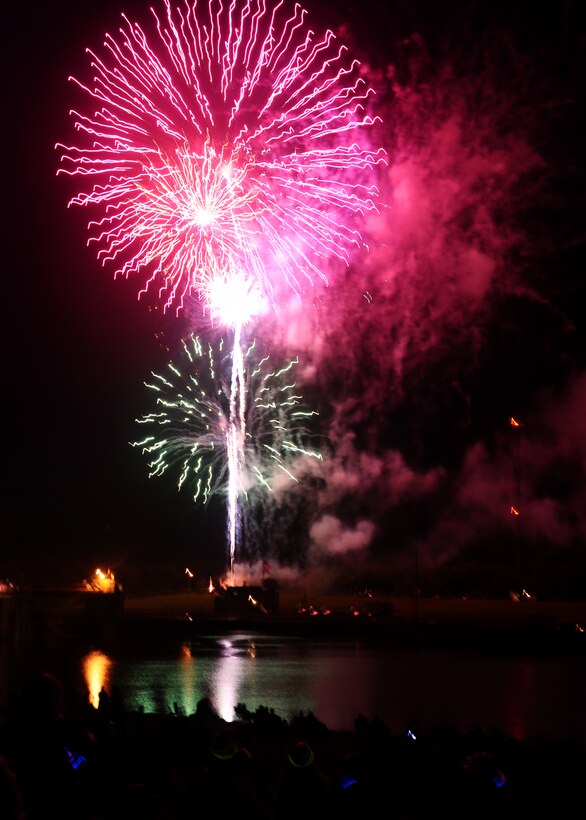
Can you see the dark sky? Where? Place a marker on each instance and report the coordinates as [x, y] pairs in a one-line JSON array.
[[468, 309]]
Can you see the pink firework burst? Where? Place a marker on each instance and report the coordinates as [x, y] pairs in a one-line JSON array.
[[226, 143]]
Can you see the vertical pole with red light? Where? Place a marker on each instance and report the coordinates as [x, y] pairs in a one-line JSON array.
[[516, 507]]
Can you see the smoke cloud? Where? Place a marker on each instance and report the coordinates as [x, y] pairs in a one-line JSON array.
[[457, 316]]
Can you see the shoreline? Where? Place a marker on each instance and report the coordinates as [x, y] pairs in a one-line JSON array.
[[503, 626], [298, 606], [506, 626]]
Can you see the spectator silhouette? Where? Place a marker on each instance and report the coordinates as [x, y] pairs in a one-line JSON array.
[[173, 766], [134, 800], [230, 784], [304, 790], [51, 755], [11, 800]]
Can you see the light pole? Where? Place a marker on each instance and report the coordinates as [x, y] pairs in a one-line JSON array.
[[516, 507]]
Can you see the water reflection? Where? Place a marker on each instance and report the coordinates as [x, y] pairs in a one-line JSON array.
[[339, 681], [227, 680], [515, 702], [97, 673], [187, 668]]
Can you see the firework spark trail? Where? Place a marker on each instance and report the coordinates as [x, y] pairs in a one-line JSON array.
[[229, 153], [193, 427], [226, 138], [236, 440]]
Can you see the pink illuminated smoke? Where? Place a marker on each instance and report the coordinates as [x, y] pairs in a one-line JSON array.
[[226, 142]]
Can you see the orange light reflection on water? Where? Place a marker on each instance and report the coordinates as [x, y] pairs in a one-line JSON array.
[[97, 670], [188, 669]]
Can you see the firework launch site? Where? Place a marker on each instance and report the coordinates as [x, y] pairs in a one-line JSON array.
[[365, 614]]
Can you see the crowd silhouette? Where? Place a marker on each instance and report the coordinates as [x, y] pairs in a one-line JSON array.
[[106, 763]]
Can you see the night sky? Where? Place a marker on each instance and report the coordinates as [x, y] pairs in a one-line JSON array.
[[468, 308]]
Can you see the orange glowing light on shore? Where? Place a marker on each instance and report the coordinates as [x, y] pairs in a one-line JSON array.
[[211, 586], [101, 582], [189, 573], [514, 511], [514, 423]]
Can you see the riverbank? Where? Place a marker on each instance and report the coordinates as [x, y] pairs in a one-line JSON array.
[[508, 625], [442, 611]]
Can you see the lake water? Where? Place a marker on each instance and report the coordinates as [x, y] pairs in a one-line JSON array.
[[520, 689], [536, 694]]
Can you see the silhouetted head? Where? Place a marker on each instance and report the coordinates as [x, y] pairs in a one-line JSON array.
[[301, 755], [223, 745]]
